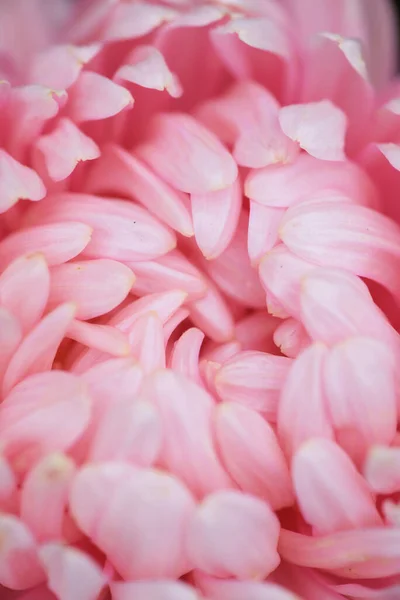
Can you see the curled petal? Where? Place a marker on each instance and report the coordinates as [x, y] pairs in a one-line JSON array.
[[17, 182], [263, 230], [103, 338], [95, 97], [130, 21], [185, 354], [58, 67], [291, 337], [212, 315], [147, 342]]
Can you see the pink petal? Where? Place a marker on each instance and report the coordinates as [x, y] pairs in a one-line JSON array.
[[72, 574], [186, 414], [360, 386], [303, 416], [8, 484], [129, 431], [10, 338], [44, 413], [37, 351], [172, 271], [17, 182], [307, 177], [58, 242], [251, 454], [255, 331], [20, 567], [123, 174], [334, 234], [318, 127], [382, 469], [28, 272], [64, 148], [141, 525], [228, 589], [58, 67], [95, 286], [234, 535], [291, 338], [152, 590], [253, 379], [381, 58], [332, 495], [95, 97], [187, 155], [336, 305], [173, 323], [185, 354], [215, 218], [47, 485], [212, 315], [147, 342], [130, 21], [104, 338], [263, 230]]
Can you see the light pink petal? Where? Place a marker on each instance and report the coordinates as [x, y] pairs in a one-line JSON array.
[[44, 496], [263, 230], [301, 415], [281, 274], [95, 286], [58, 242], [147, 342], [122, 173], [186, 415], [212, 315], [185, 355], [291, 338], [215, 218], [187, 155], [234, 535], [172, 271], [17, 182], [38, 349], [130, 21], [103, 338], [333, 234], [228, 589], [20, 567], [307, 177], [318, 127], [146, 67], [64, 148], [233, 273], [381, 59], [8, 484], [153, 590], [141, 524], [29, 272], [253, 379], [255, 331], [360, 387], [10, 338], [331, 494], [95, 97], [363, 553], [382, 469], [336, 304], [251, 454], [44, 413], [58, 67], [173, 323], [72, 574], [129, 431]]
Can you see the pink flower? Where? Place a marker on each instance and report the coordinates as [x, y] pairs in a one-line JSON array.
[[199, 290]]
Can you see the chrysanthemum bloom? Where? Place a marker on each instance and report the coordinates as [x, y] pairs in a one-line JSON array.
[[199, 289]]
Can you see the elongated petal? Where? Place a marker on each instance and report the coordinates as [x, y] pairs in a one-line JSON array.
[[333, 234], [234, 535], [251, 454], [153, 590], [122, 173], [263, 230], [64, 148], [254, 379], [20, 567], [185, 354], [141, 525], [95, 97], [47, 485], [31, 273], [8, 483], [382, 470], [187, 156], [96, 286], [10, 338], [332, 495], [38, 349], [360, 388], [186, 414], [212, 315], [303, 415], [227, 589], [215, 218], [58, 242], [103, 338], [129, 430], [59, 66], [130, 21], [17, 182], [72, 574], [147, 342]]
